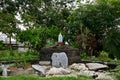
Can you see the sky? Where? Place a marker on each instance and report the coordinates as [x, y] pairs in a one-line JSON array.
[[20, 25]]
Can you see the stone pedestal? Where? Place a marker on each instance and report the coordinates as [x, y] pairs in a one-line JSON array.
[[73, 54]]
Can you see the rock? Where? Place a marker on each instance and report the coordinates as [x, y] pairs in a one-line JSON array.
[[4, 73], [79, 67], [55, 60], [87, 73], [21, 72], [103, 76], [59, 60], [96, 66], [63, 59], [57, 71], [73, 54], [45, 63], [41, 69]]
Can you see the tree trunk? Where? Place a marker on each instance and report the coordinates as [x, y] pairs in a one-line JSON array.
[[10, 43]]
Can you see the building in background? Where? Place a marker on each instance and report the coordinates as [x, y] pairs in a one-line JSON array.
[[5, 39]]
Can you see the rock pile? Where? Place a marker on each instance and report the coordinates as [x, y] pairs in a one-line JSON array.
[[76, 69], [95, 70]]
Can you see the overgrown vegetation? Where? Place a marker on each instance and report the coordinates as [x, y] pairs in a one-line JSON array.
[[116, 72], [103, 56]]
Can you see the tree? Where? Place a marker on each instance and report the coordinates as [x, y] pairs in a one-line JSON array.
[[44, 12], [8, 25], [99, 17], [34, 38], [102, 16], [37, 38], [8, 21]]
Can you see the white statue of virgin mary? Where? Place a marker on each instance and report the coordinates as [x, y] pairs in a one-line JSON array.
[[60, 38]]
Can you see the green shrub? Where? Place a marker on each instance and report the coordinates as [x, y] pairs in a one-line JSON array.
[[111, 42], [76, 45], [103, 55], [83, 55]]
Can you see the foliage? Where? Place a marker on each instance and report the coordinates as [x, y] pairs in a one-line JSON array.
[[112, 42], [75, 44], [99, 17], [103, 55], [8, 21], [1, 45], [44, 12], [84, 55], [116, 72], [40, 78], [53, 32], [102, 16], [82, 37], [37, 38], [86, 41]]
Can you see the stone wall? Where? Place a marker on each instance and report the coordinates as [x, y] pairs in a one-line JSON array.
[[73, 54]]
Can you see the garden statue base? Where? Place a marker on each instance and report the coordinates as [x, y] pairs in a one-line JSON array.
[[73, 54]]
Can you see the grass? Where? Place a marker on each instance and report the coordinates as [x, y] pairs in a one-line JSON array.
[[42, 78], [100, 59], [15, 55], [116, 72]]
